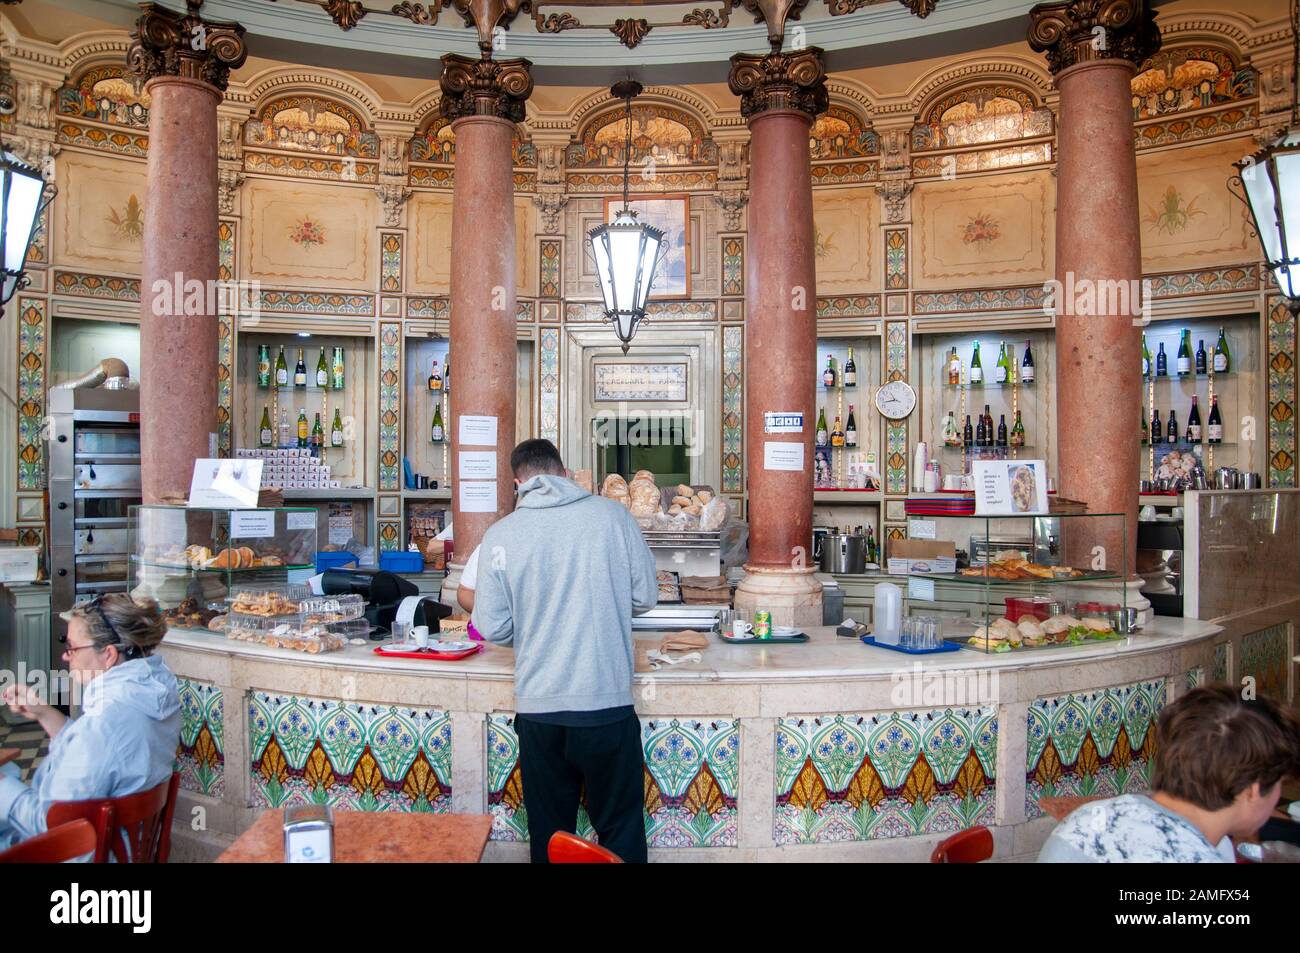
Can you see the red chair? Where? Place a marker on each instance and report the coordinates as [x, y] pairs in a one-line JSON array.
[[135, 828], [65, 842], [965, 847], [566, 848]]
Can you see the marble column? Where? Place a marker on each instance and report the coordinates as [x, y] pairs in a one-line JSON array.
[[186, 62], [484, 98], [780, 94], [1093, 50]]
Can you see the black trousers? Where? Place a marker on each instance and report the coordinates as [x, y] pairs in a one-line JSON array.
[[557, 762]]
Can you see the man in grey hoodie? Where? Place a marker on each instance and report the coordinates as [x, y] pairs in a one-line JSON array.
[[560, 579]]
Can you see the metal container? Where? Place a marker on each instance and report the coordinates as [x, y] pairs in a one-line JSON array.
[[1123, 620], [844, 553], [1251, 481]]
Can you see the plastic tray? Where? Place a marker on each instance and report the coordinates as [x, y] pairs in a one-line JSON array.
[[427, 654], [946, 647], [754, 640]]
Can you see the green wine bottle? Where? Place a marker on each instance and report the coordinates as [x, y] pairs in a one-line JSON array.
[[1185, 353], [317, 435], [1222, 357], [336, 430], [281, 370], [823, 435], [1000, 368], [437, 434], [976, 369], [265, 436], [1146, 359], [263, 366], [303, 433], [322, 371]]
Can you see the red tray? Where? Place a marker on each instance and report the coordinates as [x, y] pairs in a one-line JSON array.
[[430, 656]]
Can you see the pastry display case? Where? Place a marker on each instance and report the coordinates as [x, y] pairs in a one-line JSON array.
[[192, 560]]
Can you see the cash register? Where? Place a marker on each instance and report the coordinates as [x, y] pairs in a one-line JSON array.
[[388, 597]]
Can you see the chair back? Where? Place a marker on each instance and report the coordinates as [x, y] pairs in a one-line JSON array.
[[566, 848], [965, 847], [65, 842], [134, 828]]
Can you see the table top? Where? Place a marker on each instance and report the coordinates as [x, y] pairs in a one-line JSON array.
[[385, 837]]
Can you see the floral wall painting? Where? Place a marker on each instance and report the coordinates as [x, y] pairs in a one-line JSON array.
[[1173, 213], [129, 222], [1188, 218], [663, 133], [307, 233], [846, 240], [672, 214], [97, 224], [823, 244], [981, 229]]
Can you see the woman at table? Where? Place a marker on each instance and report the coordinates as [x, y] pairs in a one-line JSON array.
[[1219, 766], [126, 737]]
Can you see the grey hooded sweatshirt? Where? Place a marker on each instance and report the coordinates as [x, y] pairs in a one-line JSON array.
[[560, 579]]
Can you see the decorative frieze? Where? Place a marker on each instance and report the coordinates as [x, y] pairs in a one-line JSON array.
[[33, 358]]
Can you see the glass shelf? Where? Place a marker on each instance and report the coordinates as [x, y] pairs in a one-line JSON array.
[[981, 385], [846, 447], [1188, 377], [309, 389], [1185, 445], [180, 567], [982, 580]]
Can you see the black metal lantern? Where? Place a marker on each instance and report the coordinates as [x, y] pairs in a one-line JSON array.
[[626, 251], [24, 197]]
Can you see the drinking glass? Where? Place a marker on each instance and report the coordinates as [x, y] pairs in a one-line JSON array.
[[400, 631]]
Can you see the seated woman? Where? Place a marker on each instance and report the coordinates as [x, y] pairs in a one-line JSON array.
[[1219, 766], [126, 737]]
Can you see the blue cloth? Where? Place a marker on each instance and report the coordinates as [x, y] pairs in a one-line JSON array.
[[124, 742]]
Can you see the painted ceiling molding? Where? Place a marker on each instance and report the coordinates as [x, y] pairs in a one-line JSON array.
[[850, 92], [1028, 72], [581, 114], [260, 89]]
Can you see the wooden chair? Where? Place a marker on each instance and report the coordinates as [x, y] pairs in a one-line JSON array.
[[58, 844], [566, 848], [135, 828], [965, 847]]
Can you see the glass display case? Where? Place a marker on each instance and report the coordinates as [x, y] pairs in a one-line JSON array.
[[192, 559], [1063, 584]]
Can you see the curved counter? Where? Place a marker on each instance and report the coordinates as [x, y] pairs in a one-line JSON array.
[[754, 752]]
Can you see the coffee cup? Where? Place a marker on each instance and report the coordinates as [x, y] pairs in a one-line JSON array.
[[741, 629], [420, 635]]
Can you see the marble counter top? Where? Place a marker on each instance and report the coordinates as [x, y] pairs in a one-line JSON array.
[[824, 656]]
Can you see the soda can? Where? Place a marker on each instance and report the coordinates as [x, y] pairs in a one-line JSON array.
[[763, 624]]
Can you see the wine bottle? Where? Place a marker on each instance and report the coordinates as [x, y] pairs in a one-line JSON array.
[[988, 427], [322, 371], [837, 433], [1185, 353], [1194, 423], [446, 373], [976, 370], [1000, 368], [951, 433], [954, 369], [1146, 358], [300, 371], [1162, 362], [265, 435], [286, 432], [1214, 424], [979, 431], [851, 430], [317, 433], [1027, 365], [1018, 432], [967, 434], [1155, 427], [336, 430], [338, 368], [263, 366], [303, 432], [828, 375], [1002, 430], [436, 433], [1200, 358], [850, 371], [1222, 359], [281, 370], [823, 436], [435, 379], [1171, 428], [1146, 431]]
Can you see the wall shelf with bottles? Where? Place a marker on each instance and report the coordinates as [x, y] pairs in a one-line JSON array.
[[847, 378]]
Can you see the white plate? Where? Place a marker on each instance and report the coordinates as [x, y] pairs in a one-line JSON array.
[[446, 646], [784, 630]]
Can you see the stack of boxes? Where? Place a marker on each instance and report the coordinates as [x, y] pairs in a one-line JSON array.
[[291, 469]]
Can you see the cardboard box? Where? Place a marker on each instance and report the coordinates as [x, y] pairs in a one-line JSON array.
[[19, 563], [921, 556]]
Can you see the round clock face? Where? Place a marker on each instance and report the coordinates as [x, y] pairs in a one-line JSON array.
[[896, 400]]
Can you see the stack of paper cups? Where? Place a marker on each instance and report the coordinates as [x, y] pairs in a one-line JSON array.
[[920, 464]]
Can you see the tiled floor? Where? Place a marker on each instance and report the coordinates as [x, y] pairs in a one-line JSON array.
[[30, 738]]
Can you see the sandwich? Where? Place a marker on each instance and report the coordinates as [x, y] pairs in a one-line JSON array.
[[1097, 628], [1031, 632], [987, 640]]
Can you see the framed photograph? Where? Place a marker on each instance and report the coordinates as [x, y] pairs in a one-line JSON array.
[[672, 214]]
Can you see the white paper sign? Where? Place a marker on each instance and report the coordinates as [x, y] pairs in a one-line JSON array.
[[301, 521], [789, 421], [252, 524], [780, 455], [339, 532], [478, 465], [478, 431], [920, 529], [920, 589], [225, 483], [1010, 487], [478, 497]]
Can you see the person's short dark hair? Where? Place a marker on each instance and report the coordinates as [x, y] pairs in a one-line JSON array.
[[1211, 744], [536, 456]]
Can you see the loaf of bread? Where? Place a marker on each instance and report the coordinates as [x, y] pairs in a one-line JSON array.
[[614, 486]]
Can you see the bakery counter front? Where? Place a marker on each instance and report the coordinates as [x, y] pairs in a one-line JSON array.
[[818, 751]]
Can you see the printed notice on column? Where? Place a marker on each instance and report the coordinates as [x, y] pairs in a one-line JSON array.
[[477, 431], [478, 497], [780, 455]]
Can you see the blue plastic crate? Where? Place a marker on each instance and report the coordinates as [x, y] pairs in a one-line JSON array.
[[404, 562], [334, 560]]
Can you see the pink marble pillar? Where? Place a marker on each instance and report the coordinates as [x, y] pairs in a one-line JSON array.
[[781, 95]]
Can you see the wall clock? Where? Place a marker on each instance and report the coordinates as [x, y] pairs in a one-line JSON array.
[[896, 400]]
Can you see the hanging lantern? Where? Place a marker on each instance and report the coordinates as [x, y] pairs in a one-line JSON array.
[[24, 198]]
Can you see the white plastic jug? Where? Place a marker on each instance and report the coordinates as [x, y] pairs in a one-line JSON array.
[[887, 613]]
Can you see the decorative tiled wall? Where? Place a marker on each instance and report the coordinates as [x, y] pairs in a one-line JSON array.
[[317, 302], [549, 269], [733, 409], [896, 335], [548, 384], [225, 251], [849, 306], [733, 265], [1266, 659], [353, 756], [1193, 678], [691, 776], [855, 777], [896, 258], [390, 263], [1091, 743], [84, 285], [992, 299], [225, 375], [200, 758], [33, 357], [1180, 284], [1282, 450], [1221, 662], [390, 408]]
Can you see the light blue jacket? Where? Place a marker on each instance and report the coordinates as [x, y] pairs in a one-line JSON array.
[[124, 742]]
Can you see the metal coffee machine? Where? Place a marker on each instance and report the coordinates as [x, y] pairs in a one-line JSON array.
[[843, 553]]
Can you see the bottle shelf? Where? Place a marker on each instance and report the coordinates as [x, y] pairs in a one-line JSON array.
[[845, 447], [990, 385], [1186, 445], [1188, 377], [309, 389]]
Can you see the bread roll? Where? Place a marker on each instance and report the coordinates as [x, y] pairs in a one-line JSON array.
[[613, 486], [704, 496], [681, 501], [674, 509], [643, 475], [694, 509]]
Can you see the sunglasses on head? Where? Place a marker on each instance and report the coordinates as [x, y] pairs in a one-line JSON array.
[[96, 602]]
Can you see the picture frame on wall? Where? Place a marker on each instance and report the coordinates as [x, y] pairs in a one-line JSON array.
[[672, 214]]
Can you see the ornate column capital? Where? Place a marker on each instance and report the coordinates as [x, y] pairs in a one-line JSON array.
[[794, 80], [1083, 31], [485, 87], [166, 43]]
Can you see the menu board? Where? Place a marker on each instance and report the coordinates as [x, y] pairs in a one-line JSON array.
[[620, 381]]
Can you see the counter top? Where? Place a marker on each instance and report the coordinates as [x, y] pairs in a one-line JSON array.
[[824, 656]]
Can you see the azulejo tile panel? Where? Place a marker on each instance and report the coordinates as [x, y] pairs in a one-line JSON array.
[[1265, 657], [33, 347], [733, 265], [316, 302], [733, 409], [428, 307], [849, 306], [858, 777], [1210, 281], [390, 535], [342, 170], [225, 372], [200, 757], [691, 773], [1282, 365], [105, 140], [39, 252], [1221, 662], [390, 373], [351, 755], [549, 272], [549, 384], [1193, 678], [1091, 743], [390, 263], [896, 258], [96, 286], [990, 299], [896, 430], [226, 251]]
